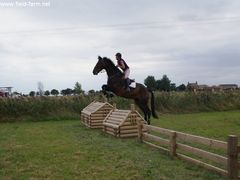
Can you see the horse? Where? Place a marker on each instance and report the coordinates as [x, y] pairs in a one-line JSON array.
[[116, 84]]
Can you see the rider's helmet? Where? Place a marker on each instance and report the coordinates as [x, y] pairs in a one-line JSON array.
[[118, 55]]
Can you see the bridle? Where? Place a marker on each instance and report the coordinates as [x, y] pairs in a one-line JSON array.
[[105, 65]]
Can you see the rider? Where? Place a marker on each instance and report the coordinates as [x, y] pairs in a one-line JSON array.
[[123, 65]]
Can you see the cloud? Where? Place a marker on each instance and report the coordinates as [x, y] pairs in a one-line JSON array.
[[187, 40]]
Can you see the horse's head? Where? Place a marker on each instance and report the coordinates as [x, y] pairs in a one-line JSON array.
[[107, 64], [99, 66]]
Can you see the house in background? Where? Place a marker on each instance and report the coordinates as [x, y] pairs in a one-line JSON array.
[[198, 87], [228, 86], [204, 87], [194, 87]]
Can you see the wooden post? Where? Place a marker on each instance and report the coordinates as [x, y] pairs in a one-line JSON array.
[[232, 151], [132, 107], [172, 143], [140, 127], [114, 106]]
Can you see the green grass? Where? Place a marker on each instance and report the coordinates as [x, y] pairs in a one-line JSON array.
[[216, 125], [68, 150]]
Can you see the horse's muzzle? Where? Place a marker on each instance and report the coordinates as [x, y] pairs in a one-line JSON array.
[[95, 73]]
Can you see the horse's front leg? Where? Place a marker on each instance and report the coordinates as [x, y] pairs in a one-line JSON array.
[[106, 88], [107, 91]]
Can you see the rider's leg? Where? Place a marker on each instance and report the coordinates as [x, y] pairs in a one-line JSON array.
[[126, 74]]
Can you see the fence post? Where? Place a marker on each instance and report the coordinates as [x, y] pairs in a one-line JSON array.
[[172, 143], [114, 106], [132, 107], [140, 127], [232, 151]]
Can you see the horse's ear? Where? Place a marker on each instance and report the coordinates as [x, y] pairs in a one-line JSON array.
[[99, 58]]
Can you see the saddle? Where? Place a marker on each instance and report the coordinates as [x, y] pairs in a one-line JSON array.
[[131, 83]]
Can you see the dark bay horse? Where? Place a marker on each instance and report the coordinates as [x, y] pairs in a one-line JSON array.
[[115, 84]]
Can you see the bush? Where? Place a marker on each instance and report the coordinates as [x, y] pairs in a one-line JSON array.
[[184, 102], [69, 107]]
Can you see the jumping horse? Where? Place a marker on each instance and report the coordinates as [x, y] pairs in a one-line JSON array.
[[116, 84]]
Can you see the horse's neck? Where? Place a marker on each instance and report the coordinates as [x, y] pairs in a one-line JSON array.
[[112, 71]]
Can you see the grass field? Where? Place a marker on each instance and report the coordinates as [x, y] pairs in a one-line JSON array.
[[68, 150], [216, 125]]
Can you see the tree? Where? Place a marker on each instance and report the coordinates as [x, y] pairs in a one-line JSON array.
[[63, 92], [47, 93], [150, 82], [40, 88], [32, 93], [164, 84], [91, 92], [78, 88], [182, 87], [67, 91], [158, 84], [54, 92], [172, 87]]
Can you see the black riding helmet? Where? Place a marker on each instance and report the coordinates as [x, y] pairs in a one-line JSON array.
[[119, 55]]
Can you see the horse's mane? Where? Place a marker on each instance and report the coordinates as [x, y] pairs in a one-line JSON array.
[[110, 62]]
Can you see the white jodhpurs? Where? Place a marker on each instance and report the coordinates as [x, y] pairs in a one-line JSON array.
[[126, 73]]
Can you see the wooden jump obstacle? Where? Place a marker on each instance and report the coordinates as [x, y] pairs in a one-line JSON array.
[[94, 114], [176, 146], [122, 123]]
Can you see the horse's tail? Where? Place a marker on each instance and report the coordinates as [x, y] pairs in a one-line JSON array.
[[154, 114]]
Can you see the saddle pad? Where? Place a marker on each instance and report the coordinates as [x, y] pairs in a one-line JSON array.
[[133, 85]]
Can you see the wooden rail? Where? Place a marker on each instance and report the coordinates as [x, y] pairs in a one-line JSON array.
[[231, 148]]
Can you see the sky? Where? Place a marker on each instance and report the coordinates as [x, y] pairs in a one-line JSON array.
[[57, 42]]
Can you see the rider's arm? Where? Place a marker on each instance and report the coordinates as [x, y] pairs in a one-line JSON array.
[[121, 65]]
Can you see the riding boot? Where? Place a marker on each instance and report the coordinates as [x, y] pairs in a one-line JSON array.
[[127, 85]]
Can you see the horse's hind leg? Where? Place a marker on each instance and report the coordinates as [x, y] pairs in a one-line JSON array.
[[142, 106], [148, 111]]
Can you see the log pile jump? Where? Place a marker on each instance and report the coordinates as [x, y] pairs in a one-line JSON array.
[[94, 114], [122, 123]]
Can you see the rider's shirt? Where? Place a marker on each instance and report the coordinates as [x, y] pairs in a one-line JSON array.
[[125, 64]]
